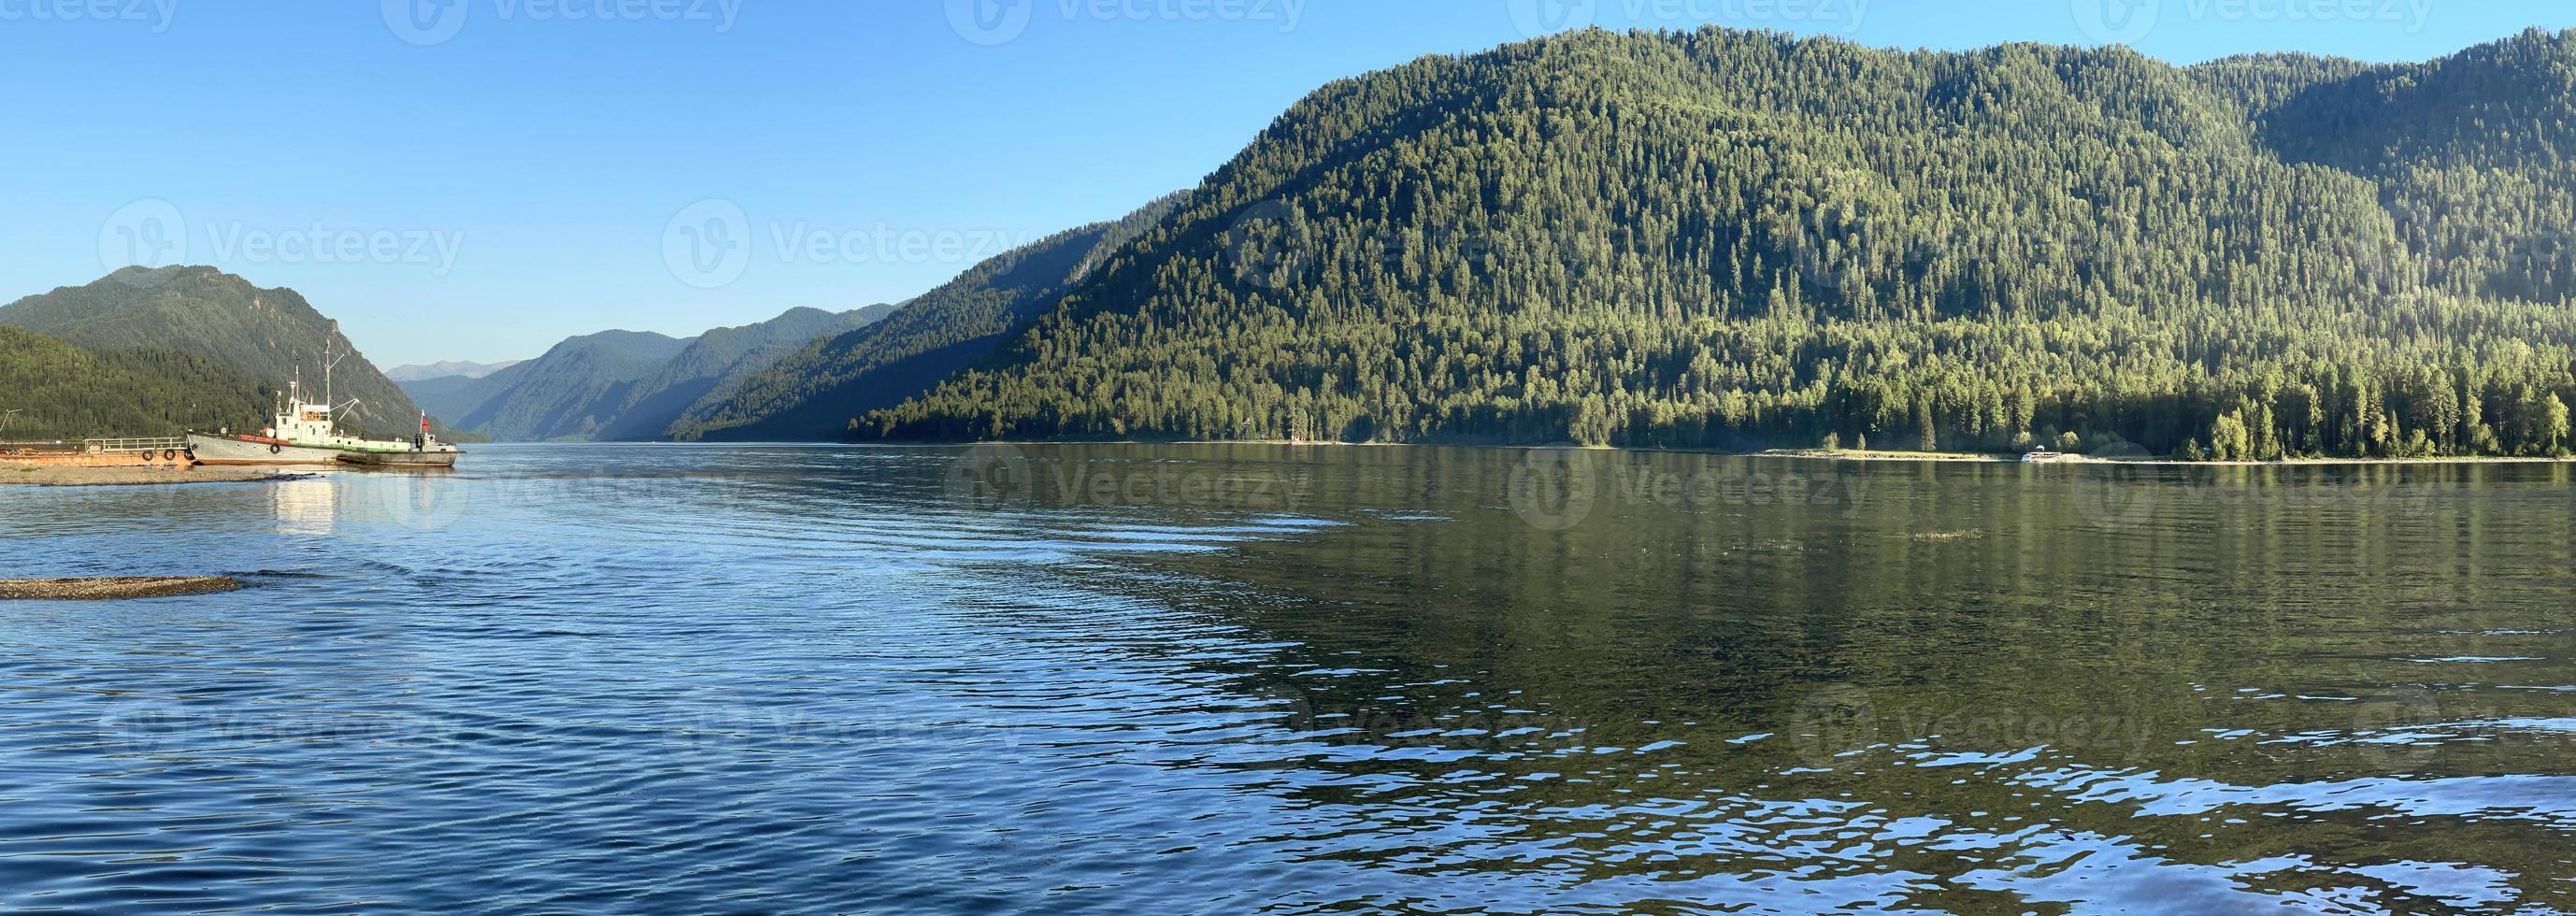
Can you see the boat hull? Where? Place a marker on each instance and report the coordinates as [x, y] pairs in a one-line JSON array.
[[246, 450], [419, 459]]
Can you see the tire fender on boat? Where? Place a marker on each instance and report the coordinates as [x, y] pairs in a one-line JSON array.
[[274, 449]]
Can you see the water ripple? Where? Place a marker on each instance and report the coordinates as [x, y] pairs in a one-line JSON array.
[[614, 678]]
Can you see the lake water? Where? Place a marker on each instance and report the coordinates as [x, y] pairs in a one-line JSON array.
[[1220, 679]]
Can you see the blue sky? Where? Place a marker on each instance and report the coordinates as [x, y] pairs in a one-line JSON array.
[[476, 179]]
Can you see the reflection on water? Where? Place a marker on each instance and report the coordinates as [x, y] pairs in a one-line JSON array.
[[307, 507], [1179, 678]]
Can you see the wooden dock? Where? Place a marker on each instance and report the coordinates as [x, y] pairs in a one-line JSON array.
[[171, 450]]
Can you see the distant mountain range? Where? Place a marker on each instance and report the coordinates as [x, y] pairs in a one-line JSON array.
[[448, 369], [138, 332], [800, 376], [813, 392], [624, 385]]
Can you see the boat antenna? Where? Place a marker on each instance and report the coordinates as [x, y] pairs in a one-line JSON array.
[[331, 361]]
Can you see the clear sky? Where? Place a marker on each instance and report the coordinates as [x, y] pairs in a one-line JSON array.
[[476, 179]]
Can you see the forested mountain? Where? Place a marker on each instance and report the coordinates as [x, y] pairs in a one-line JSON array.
[[260, 333], [812, 393], [625, 384], [2471, 154], [572, 392], [59, 391], [1732, 239]]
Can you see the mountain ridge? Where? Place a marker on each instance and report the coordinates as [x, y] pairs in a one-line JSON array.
[[265, 334], [450, 368], [625, 385]]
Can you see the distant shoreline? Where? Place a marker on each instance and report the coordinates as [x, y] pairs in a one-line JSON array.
[[1978, 458], [1786, 454], [1863, 455]]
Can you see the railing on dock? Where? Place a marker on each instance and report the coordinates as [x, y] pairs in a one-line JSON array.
[[96, 452], [153, 446]]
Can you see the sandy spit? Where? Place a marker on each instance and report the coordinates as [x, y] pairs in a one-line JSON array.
[[114, 588], [40, 475]]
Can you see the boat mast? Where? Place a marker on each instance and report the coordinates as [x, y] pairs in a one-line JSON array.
[[329, 363]]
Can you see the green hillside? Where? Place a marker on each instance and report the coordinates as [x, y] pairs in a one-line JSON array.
[[64, 392], [1732, 239], [813, 393], [2474, 155], [260, 333]]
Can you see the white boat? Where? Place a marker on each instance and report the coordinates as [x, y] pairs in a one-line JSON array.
[[303, 432], [298, 440], [243, 448]]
